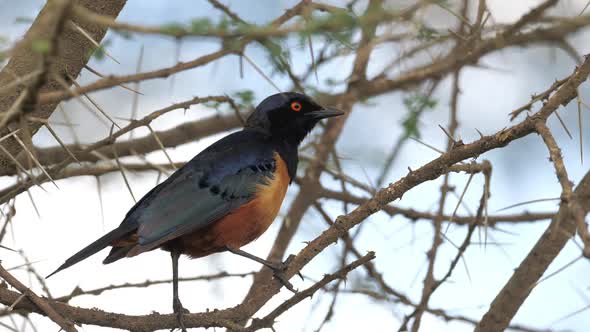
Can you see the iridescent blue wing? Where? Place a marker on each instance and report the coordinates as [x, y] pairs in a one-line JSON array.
[[212, 185]]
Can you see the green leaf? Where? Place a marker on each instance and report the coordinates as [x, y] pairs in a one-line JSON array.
[[41, 46], [245, 97], [278, 55], [212, 104], [201, 26], [410, 125], [173, 29], [225, 24], [123, 33], [426, 33], [22, 20], [344, 19], [99, 52], [331, 82], [416, 104]]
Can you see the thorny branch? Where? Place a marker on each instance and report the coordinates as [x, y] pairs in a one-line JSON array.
[[432, 170], [376, 25], [39, 302]]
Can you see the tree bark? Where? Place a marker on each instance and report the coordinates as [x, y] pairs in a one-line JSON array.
[[73, 51]]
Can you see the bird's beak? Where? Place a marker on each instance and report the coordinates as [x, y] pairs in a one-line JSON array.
[[323, 113]]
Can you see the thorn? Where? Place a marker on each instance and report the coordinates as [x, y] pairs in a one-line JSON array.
[[93, 102], [34, 205], [261, 72], [426, 145], [54, 134], [35, 160], [85, 34], [529, 202], [6, 248], [448, 134], [95, 72], [161, 145], [100, 202], [563, 125], [122, 169], [479, 132], [135, 101]]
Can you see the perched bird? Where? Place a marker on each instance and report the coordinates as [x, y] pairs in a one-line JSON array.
[[225, 197]]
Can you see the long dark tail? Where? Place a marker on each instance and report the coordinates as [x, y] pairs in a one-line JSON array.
[[94, 247]]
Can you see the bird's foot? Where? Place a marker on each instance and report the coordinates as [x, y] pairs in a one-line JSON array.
[[278, 270], [179, 310]]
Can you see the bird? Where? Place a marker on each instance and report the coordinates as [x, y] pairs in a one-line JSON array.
[[222, 199]]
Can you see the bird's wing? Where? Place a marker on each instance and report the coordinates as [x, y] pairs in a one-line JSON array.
[[213, 184]]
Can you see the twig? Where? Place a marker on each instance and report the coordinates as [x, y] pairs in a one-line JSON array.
[[269, 319], [39, 302]]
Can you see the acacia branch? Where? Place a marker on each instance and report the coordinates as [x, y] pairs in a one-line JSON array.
[[111, 81], [530, 270], [468, 48], [430, 171], [269, 319], [453, 61], [412, 214], [72, 54], [174, 137], [40, 303]]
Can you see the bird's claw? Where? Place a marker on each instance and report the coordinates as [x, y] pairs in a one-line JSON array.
[[283, 279], [278, 270], [179, 310]]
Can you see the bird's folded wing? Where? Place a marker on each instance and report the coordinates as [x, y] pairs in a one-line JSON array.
[[204, 190]]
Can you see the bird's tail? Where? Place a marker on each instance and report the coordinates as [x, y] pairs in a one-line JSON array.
[[94, 247]]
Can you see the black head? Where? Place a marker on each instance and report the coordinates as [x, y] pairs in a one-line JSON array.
[[288, 116]]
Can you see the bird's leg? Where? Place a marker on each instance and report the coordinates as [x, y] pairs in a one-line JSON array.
[[278, 269], [176, 305]]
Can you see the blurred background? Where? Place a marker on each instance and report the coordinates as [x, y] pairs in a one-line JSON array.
[[83, 208]]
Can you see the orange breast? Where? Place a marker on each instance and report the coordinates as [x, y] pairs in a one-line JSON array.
[[247, 222]]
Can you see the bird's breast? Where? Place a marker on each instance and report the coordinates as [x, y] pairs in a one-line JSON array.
[[247, 222]]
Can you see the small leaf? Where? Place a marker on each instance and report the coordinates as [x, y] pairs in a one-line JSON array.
[[99, 52], [416, 104], [41, 46], [426, 33], [225, 24], [410, 125], [201, 26], [22, 20], [245, 97], [331, 82], [124, 34], [173, 29]]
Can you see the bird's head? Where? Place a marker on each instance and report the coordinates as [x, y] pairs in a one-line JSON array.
[[289, 116]]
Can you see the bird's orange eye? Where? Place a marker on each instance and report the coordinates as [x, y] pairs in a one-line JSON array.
[[296, 106]]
